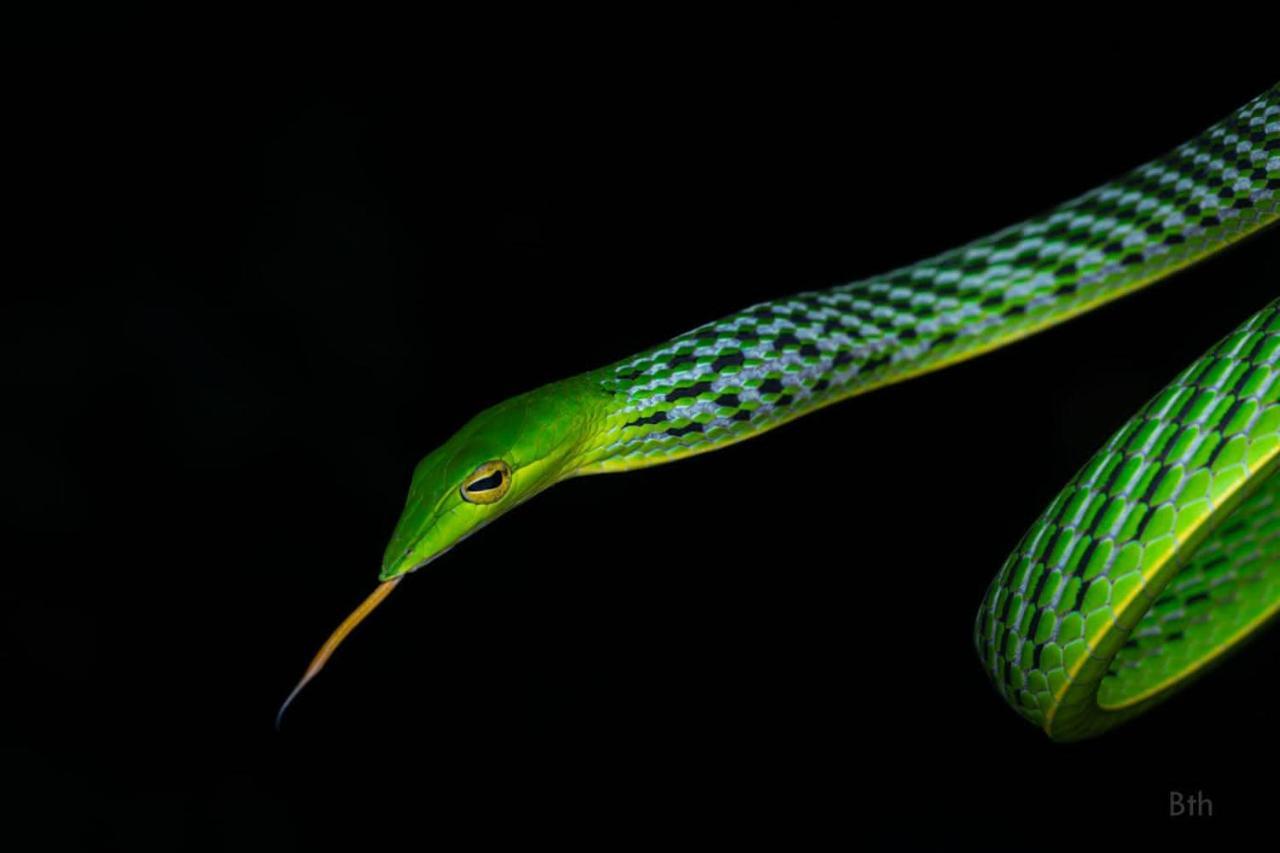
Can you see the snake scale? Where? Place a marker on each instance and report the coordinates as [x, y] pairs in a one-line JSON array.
[[1159, 556]]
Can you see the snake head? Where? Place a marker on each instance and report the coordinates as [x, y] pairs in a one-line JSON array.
[[498, 460]]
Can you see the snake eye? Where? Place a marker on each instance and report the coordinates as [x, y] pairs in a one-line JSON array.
[[488, 483]]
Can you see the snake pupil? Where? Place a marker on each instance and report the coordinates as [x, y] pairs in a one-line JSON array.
[[485, 484]]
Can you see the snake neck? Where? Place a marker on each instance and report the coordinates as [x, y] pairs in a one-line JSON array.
[[735, 378]]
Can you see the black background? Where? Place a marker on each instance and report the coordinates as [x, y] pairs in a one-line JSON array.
[[259, 296]]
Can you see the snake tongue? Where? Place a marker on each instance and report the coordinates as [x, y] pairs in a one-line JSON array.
[[335, 639]]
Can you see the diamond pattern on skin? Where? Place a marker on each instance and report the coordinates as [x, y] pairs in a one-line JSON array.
[[1108, 537], [784, 358]]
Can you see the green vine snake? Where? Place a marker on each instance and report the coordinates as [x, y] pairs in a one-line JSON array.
[[1159, 556]]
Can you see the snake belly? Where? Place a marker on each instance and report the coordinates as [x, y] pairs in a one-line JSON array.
[[1164, 551]]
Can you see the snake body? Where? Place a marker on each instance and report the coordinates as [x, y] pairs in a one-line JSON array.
[[1161, 554]]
